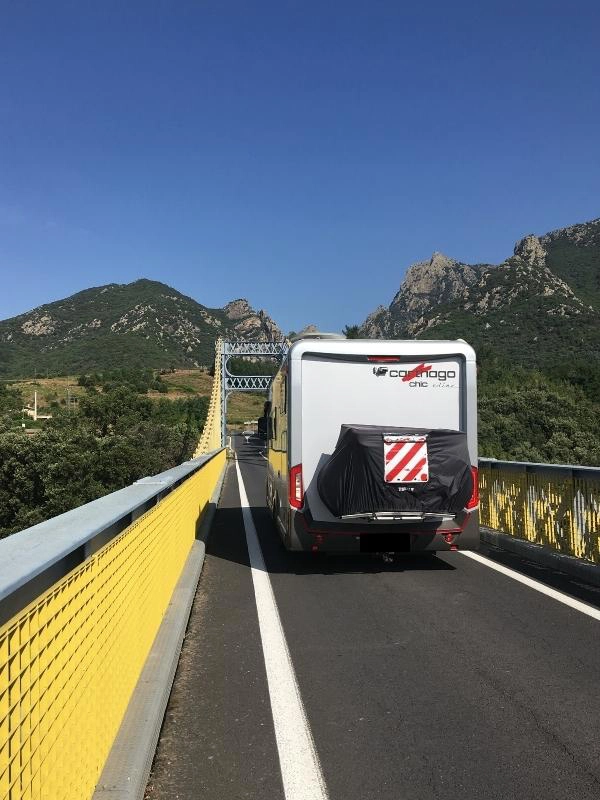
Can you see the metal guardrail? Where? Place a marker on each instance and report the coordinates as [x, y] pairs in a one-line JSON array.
[[86, 593], [557, 505]]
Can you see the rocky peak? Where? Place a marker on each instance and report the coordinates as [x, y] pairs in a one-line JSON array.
[[248, 323], [256, 325], [530, 250], [237, 309], [308, 329], [440, 261], [378, 324], [440, 280], [274, 333], [524, 291], [424, 275]]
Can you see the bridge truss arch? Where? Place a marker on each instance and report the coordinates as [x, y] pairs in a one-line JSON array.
[[225, 382], [245, 383]]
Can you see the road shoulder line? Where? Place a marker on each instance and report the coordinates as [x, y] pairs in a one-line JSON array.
[[561, 597]]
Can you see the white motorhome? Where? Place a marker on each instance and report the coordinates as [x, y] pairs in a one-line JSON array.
[[345, 418]]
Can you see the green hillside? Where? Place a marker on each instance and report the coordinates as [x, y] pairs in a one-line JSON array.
[[529, 335], [145, 324], [574, 255]]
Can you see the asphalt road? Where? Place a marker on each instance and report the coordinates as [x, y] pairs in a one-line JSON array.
[[422, 678]]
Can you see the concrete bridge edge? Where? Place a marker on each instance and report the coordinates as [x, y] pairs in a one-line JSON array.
[[576, 568], [125, 774]]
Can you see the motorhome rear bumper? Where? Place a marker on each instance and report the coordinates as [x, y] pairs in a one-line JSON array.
[[309, 534]]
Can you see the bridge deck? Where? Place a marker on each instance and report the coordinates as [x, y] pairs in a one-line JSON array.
[[421, 678]]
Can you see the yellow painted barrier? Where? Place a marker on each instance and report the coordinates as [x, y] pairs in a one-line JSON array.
[[550, 505], [69, 662], [211, 435]]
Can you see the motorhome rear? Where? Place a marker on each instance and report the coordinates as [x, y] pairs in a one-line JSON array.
[[372, 446]]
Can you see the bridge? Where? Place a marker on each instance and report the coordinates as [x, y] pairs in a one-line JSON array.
[[125, 672]]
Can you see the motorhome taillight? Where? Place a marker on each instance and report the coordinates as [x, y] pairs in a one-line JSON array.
[[384, 359], [296, 488], [474, 501]]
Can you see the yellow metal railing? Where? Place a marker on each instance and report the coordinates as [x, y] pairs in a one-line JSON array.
[[550, 505], [69, 661], [211, 435]]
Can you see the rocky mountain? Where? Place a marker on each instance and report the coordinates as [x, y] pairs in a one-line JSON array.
[[542, 303], [143, 324]]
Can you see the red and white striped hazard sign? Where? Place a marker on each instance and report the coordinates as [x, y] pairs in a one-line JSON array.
[[405, 459]]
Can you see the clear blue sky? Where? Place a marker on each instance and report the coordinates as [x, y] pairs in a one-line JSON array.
[[301, 154]]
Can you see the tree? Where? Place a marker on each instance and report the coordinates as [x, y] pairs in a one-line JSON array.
[[114, 411], [352, 331], [112, 440], [10, 399]]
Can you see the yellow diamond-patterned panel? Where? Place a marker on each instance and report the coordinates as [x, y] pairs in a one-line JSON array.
[[70, 661], [211, 434], [552, 508]]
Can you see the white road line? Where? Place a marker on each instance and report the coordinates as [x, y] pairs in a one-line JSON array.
[[300, 767], [584, 608]]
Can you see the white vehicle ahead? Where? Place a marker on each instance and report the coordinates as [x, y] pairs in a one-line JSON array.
[[372, 446]]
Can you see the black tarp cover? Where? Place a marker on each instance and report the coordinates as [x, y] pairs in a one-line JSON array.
[[352, 480]]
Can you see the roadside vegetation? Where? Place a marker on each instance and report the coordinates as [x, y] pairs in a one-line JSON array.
[[115, 434], [529, 415], [107, 430]]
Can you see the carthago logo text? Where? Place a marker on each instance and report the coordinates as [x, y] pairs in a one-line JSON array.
[[416, 377]]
